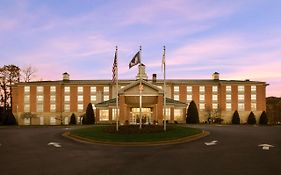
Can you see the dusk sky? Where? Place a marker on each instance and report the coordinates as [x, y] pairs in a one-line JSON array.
[[240, 39]]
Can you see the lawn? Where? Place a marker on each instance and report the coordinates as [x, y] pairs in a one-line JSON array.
[[132, 133]]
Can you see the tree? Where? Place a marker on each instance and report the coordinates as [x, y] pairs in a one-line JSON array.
[[251, 119], [263, 118], [28, 115], [192, 113], [9, 74], [89, 116], [9, 118], [27, 73], [72, 119], [235, 118]]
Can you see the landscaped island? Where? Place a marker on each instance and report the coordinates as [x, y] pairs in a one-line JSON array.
[[133, 134]]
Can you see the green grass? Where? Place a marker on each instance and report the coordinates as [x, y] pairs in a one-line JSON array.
[[134, 134]]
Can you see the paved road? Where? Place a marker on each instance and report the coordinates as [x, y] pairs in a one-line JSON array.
[[26, 151]]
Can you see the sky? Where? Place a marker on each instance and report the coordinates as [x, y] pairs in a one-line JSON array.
[[240, 39]]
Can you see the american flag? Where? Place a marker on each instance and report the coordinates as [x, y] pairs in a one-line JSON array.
[[114, 67]]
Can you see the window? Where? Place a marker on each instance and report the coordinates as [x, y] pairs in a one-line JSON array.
[[215, 88], [253, 97], [228, 106], [80, 89], [26, 121], [202, 106], [66, 107], [105, 97], [253, 88], [189, 89], [178, 115], [176, 88], [53, 89], [241, 97], [215, 106], [202, 89], [228, 97], [40, 89], [52, 121], [93, 89], [80, 98], [26, 98], [66, 89], [168, 114], [66, 98], [93, 98], [202, 97], [240, 106], [114, 114], [52, 98], [215, 97], [188, 98], [104, 115], [26, 89], [228, 89], [240, 88], [53, 107], [26, 107], [80, 107], [176, 97], [105, 89], [253, 106], [39, 108], [39, 98]]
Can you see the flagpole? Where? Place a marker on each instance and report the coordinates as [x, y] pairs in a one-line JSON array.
[[117, 100], [140, 88], [164, 67]]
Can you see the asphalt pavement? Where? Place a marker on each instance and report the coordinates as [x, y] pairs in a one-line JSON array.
[[227, 150]]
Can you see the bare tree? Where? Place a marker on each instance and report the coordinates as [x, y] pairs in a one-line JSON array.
[[27, 73]]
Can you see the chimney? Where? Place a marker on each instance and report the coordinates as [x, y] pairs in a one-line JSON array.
[[65, 76], [154, 78], [216, 76]]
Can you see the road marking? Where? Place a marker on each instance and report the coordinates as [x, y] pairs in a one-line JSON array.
[[55, 144], [265, 146], [214, 142]]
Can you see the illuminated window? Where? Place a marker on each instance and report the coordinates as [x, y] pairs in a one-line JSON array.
[[215, 97], [202, 97], [52, 98], [80, 98], [241, 88], [228, 89], [93, 89], [27, 89], [214, 88], [39, 108], [80, 107], [80, 89], [228, 106], [40, 89], [93, 98], [176, 89], [176, 97], [39, 98], [66, 89], [26, 98], [104, 116], [189, 89], [202, 89], [114, 114], [202, 106], [241, 97], [228, 97], [168, 114], [253, 88], [189, 98], [105, 97], [53, 89], [253, 97], [178, 115], [106, 89], [66, 98], [26, 108], [66, 107], [240, 106], [253, 106], [215, 106], [53, 107]]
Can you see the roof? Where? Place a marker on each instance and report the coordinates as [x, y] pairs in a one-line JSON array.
[[169, 101]]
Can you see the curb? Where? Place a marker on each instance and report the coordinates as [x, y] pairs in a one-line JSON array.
[[76, 138]]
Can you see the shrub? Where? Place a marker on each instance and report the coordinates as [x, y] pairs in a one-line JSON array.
[[263, 118], [235, 118], [90, 115], [251, 119], [192, 113], [72, 119]]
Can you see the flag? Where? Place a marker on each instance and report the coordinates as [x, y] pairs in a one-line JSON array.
[[164, 60], [114, 68], [135, 60]]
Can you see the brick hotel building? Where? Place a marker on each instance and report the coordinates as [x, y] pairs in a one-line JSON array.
[[53, 102]]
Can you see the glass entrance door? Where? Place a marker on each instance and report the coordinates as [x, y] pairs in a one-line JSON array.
[[135, 116]]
